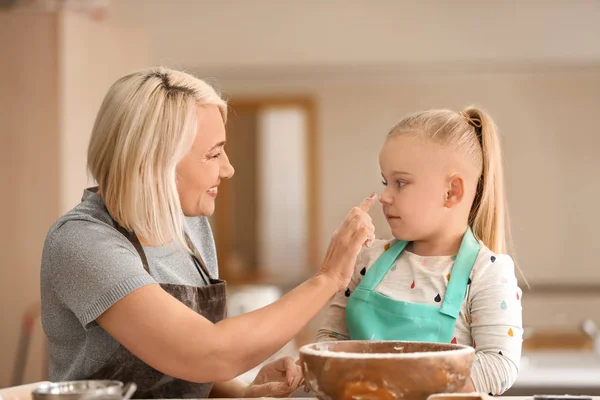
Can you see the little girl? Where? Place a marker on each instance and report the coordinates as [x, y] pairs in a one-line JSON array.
[[446, 276]]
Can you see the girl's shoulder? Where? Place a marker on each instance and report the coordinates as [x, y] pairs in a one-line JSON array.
[[493, 268], [368, 255]]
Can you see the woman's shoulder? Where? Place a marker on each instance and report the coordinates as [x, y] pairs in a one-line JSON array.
[[85, 228], [89, 215]]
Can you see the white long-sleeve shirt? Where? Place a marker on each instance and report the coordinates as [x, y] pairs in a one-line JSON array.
[[490, 319]]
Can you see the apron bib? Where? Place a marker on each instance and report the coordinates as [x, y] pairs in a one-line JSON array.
[[371, 315], [208, 301]]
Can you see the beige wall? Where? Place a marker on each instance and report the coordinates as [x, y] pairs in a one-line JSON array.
[[94, 55], [549, 125], [54, 73], [29, 128], [390, 33]]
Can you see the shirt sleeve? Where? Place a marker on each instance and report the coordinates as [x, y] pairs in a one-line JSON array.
[[91, 266], [496, 325]]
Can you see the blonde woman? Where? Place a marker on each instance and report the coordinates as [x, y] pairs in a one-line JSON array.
[[129, 277], [446, 276]]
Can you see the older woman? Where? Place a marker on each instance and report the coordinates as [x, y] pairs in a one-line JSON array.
[[129, 279]]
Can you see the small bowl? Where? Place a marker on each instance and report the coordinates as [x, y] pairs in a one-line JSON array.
[[364, 370], [84, 390]]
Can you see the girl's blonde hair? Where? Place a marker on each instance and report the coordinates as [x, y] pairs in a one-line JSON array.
[[475, 134], [145, 125]]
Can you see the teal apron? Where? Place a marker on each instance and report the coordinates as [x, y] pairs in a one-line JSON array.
[[371, 315]]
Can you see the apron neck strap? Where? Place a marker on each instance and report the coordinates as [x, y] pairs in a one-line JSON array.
[[459, 276], [382, 265], [136, 244]]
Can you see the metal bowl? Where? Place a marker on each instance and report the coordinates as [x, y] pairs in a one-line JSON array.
[[84, 390], [350, 370]]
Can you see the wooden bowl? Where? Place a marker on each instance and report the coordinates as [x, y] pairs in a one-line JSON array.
[[364, 370]]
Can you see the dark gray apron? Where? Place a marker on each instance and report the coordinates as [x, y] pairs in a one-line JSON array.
[[209, 301]]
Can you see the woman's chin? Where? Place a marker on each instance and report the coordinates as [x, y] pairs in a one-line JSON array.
[[205, 208]]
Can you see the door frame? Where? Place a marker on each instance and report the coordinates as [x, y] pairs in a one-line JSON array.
[[223, 219]]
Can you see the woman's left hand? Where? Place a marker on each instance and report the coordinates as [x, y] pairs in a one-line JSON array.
[[278, 378]]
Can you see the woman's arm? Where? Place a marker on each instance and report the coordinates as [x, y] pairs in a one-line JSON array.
[[175, 340], [172, 338]]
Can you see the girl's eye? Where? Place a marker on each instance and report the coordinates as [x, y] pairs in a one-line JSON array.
[[400, 184]]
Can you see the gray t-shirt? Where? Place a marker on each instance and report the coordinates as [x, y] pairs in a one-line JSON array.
[[87, 266]]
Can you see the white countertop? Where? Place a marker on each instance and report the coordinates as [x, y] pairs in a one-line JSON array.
[[559, 369]]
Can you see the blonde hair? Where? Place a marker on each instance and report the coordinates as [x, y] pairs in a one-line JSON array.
[[472, 132], [145, 125]]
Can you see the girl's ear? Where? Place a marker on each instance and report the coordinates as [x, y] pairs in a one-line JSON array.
[[455, 192]]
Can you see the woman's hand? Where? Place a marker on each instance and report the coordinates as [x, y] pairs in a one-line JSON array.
[[356, 230], [276, 379]]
